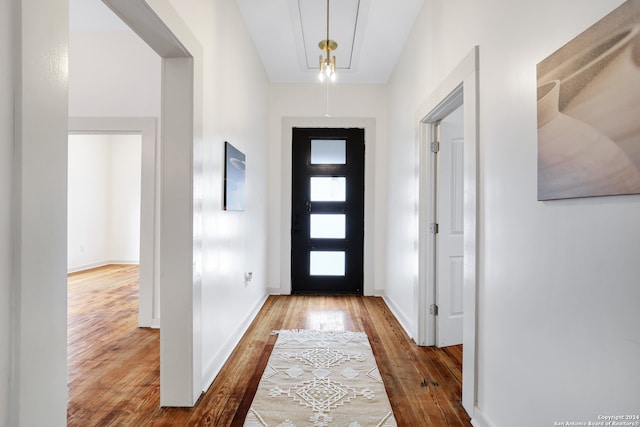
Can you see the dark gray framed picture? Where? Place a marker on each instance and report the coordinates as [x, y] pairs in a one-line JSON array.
[[234, 178], [589, 111]]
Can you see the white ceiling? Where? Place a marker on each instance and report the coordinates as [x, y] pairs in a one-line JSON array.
[[370, 34]]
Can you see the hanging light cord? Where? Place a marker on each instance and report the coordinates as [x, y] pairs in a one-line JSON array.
[[328, 30], [326, 112], [327, 65]]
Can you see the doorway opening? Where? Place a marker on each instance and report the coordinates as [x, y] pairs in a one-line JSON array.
[[180, 379], [104, 193], [148, 245], [459, 90], [447, 209], [327, 215]]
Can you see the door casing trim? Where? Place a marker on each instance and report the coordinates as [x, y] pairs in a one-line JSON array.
[[369, 126], [459, 87]]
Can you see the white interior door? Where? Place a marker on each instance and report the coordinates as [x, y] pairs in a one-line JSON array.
[[449, 240]]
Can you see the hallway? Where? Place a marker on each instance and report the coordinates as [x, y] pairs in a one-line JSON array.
[[114, 365]]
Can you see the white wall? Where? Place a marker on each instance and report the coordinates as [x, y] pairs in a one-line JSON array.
[[88, 201], [125, 178], [305, 105], [558, 281], [104, 200], [112, 74], [6, 205]]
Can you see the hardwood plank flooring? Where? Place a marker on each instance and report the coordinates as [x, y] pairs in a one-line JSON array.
[[114, 365]]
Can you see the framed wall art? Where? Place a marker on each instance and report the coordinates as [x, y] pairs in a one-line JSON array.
[[589, 111], [234, 178]]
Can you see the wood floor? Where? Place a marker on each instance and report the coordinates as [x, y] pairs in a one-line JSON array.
[[114, 365]]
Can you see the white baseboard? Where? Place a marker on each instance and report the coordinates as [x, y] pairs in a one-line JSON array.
[[125, 262], [404, 321], [98, 264], [214, 367], [155, 323], [86, 267], [479, 420]]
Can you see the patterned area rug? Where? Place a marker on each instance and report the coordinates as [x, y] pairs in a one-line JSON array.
[[321, 379]]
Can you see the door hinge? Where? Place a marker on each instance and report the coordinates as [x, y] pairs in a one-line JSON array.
[[435, 147], [433, 309], [434, 228]]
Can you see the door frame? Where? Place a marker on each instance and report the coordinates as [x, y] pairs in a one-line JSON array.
[[159, 25], [460, 87], [146, 127], [369, 126]]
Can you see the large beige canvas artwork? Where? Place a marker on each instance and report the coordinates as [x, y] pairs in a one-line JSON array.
[[589, 111]]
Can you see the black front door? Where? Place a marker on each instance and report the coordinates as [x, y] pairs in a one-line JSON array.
[[327, 228]]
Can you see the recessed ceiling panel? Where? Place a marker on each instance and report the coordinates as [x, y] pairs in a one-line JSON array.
[[380, 27], [343, 21]]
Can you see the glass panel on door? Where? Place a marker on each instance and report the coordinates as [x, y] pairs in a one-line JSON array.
[[328, 189], [327, 226], [326, 263], [328, 152]]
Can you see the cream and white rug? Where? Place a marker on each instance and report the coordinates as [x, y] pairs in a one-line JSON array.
[[321, 379]]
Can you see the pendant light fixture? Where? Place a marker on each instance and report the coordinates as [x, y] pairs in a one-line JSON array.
[[328, 64]]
